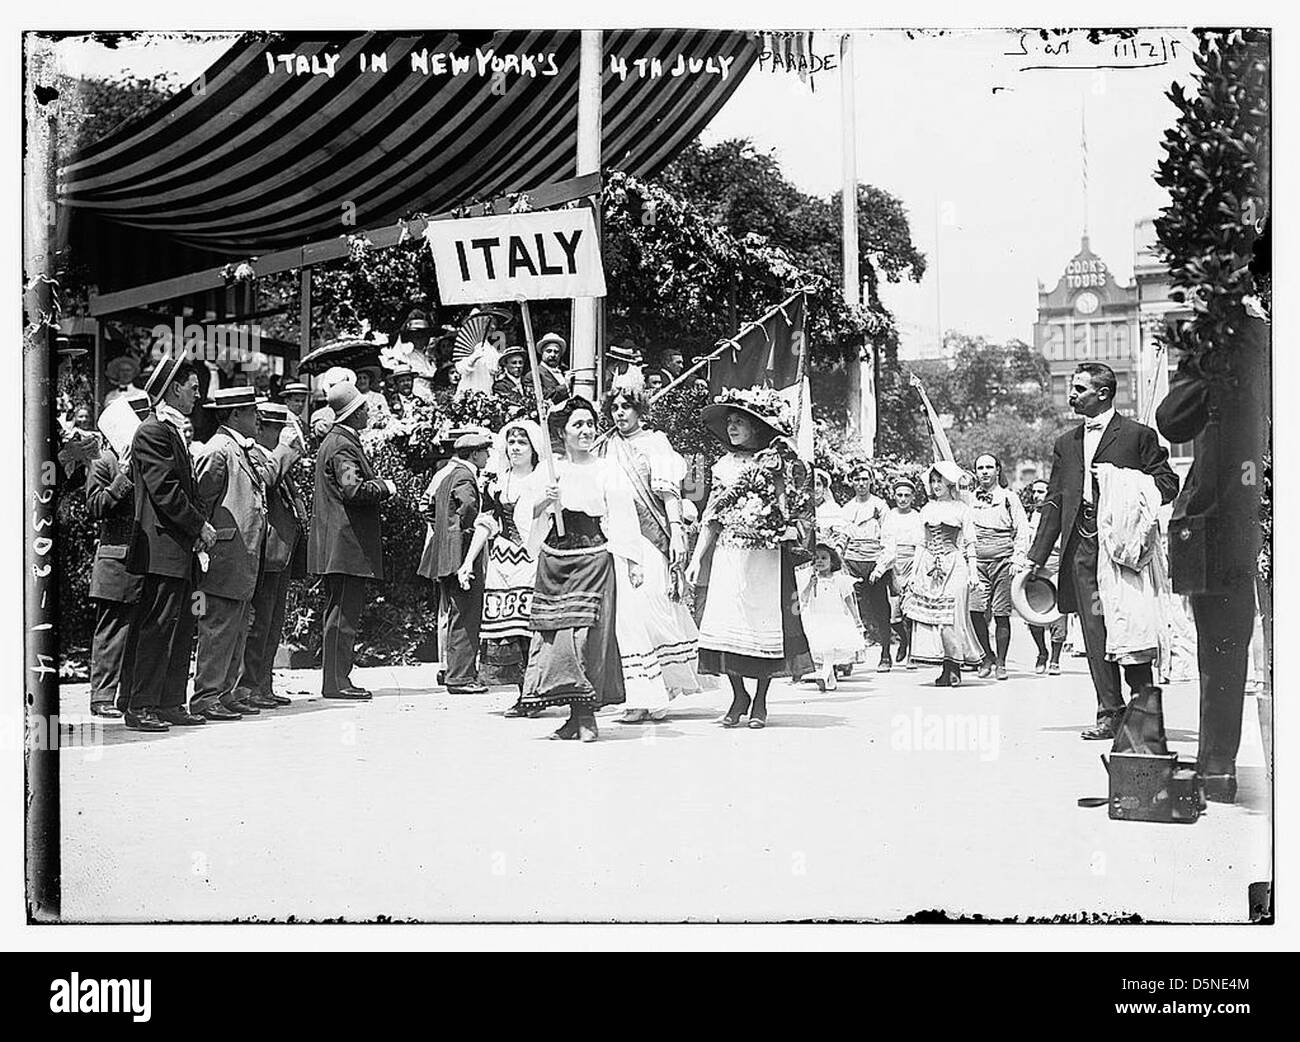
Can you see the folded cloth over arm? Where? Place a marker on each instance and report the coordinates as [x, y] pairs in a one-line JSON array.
[[1131, 577]]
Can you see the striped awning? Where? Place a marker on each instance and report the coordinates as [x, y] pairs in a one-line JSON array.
[[249, 159]]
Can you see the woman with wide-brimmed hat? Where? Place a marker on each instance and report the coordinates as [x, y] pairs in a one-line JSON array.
[[750, 628], [511, 567], [943, 573], [656, 635]]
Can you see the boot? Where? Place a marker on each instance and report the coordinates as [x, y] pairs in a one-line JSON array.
[[954, 676], [587, 730], [944, 679]]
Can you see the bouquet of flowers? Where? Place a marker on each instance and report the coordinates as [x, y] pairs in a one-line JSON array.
[[771, 495]]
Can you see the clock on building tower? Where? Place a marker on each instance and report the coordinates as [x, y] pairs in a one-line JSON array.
[[1086, 303]]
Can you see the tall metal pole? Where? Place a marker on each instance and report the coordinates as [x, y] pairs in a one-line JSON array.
[[586, 310]]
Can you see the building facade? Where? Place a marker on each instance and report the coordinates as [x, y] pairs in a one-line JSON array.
[[1088, 317]]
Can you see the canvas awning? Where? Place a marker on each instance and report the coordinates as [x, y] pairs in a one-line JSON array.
[[250, 160]]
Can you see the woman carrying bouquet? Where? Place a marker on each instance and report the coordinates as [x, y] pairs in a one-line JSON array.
[[511, 568], [750, 627], [943, 575], [669, 644], [574, 656]]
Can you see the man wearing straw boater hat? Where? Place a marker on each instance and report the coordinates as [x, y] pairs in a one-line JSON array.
[[345, 544], [509, 385], [168, 527], [293, 396], [231, 491], [451, 505], [555, 380], [284, 555], [114, 590]]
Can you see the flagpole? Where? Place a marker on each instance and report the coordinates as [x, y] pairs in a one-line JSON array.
[[586, 310]]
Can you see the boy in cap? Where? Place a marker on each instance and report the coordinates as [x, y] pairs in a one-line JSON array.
[[231, 492], [901, 534], [168, 527], [450, 505], [284, 557], [114, 589], [345, 543]]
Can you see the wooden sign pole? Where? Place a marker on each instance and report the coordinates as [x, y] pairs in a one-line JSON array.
[[541, 410]]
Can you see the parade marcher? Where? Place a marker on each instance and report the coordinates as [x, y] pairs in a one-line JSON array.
[[230, 490], [284, 556], [751, 626], [864, 515], [574, 657], [555, 380], [832, 523], [114, 590], [1046, 663], [511, 567], [657, 637], [509, 386], [1070, 514], [1214, 533], [944, 574], [829, 604], [450, 505], [1001, 539], [345, 543], [168, 527], [901, 536]]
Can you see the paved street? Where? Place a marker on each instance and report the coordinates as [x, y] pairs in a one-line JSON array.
[[422, 805]]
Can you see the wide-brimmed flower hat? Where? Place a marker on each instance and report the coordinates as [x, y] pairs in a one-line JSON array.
[[762, 404]]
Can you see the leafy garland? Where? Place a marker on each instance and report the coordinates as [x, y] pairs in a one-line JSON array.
[[770, 495]]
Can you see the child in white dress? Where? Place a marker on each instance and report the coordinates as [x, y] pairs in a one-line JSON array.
[[829, 606]]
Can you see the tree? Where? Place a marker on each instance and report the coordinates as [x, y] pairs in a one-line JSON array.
[[1216, 168]]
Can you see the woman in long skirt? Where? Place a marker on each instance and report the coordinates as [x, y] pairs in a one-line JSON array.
[[511, 568], [943, 575], [574, 656], [750, 628], [656, 634]]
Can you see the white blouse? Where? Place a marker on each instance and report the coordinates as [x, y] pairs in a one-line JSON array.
[[597, 488]]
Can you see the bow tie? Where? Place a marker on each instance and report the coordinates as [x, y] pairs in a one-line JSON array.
[[1094, 425], [983, 496]]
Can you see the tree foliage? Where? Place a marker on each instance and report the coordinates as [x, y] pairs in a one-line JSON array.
[[1216, 168]]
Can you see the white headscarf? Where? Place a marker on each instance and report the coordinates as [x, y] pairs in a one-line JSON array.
[[500, 461]]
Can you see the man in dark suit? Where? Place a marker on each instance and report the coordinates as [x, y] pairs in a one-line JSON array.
[[114, 589], [168, 528], [230, 491], [555, 380], [1215, 534], [509, 385], [345, 544], [1070, 512], [450, 505], [284, 555]]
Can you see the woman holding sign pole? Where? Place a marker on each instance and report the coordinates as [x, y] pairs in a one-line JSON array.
[[574, 658]]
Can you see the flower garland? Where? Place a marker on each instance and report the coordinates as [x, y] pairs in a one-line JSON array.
[[771, 494]]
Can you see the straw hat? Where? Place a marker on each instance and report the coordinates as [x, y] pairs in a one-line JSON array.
[[1035, 599]]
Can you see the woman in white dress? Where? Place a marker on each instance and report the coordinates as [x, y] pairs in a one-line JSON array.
[[943, 575], [511, 568], [671, 642], [574, 658], [750, 628]]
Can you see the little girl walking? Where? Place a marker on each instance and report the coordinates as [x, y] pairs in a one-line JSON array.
[[829, 606]]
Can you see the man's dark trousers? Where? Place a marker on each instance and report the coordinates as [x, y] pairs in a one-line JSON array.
[[264, 634], [161, 642], [461, 614], [110, 664], [1105, 674], [873, 602], [345, 598], [1224, 624]]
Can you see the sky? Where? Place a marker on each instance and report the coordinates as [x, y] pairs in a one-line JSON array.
[[991, 179]]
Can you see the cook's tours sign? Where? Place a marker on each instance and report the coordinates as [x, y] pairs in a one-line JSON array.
[[525, 256]]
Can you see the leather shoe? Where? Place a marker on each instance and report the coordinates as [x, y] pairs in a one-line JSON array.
[[1100, 733], [279, 700], [1220, 788], [218, 712], [242, 708], [350, 694], [1054, 669], [986, 669], [467, 689], [181, 717], [105, 709], [145, 720], [262, 702], [1000, 672]]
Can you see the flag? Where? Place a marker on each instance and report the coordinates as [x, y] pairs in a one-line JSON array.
[[938, 438], [793, 51], [868, 418], [765, 353]]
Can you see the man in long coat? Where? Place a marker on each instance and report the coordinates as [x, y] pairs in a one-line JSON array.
[[345, 544], [168, 527]]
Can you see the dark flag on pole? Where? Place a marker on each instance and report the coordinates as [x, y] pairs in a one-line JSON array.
[[766, 353]]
